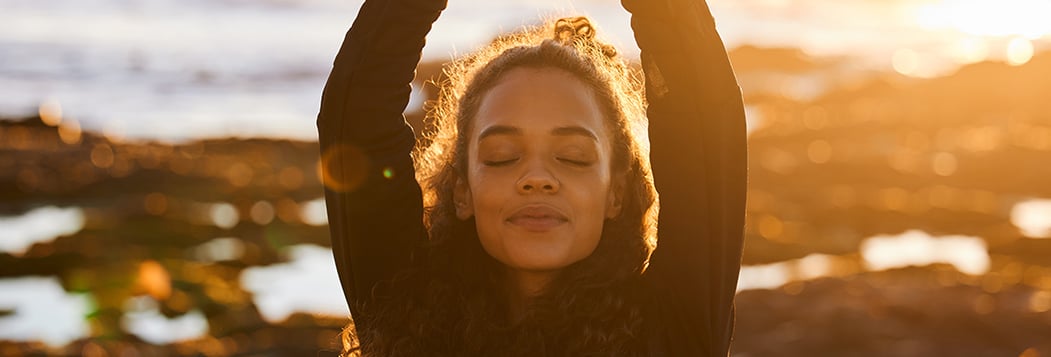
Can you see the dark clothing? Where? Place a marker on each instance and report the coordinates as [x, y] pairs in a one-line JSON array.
[[697, 135]]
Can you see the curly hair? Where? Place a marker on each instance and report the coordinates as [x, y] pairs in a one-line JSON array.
[[451, 302]]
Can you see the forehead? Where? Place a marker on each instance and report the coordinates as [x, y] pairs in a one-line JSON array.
[[539, 100]]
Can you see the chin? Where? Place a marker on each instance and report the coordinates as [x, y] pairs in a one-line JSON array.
[[532, 255], [537, 251], [534, 263]]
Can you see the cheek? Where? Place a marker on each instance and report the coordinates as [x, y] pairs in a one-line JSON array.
[[589, 197], [488, 192]]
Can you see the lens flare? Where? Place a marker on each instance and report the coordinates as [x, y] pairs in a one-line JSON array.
[[343, 168]]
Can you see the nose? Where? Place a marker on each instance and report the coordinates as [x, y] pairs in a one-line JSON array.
[[538, 179]]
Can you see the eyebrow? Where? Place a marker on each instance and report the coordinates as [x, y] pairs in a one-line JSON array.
[[559, 131], [574, 130]]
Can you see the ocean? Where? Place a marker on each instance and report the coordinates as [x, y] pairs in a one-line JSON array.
[[176, 70]]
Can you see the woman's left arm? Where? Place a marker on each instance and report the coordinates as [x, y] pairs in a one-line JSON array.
[[699, 160]]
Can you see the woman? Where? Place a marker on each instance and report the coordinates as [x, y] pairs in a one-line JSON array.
[[530, 233]]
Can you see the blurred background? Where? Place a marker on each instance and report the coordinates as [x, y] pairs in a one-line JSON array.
[[159, 190]]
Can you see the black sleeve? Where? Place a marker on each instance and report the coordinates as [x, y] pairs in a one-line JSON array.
[[374, 203], [698, 155]]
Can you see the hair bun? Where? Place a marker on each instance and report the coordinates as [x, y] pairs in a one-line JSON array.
[[568, 29], [571, 30]]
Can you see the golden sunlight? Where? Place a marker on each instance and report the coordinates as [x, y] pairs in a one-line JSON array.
[[1019, 52], [971, 50], [1004, 18]]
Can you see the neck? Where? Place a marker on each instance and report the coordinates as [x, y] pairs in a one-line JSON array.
[[523, 287]]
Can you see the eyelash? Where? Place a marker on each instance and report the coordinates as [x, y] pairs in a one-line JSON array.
[[511, 161], [575, 162], [499, 163]]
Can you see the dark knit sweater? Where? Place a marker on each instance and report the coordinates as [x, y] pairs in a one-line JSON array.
[[698, 156]]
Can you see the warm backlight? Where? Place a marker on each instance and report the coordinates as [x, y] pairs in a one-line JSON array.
[[1004, 18]]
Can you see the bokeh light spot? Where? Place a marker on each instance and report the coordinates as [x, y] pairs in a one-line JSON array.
[[156, 203], [388, 173], [102, 156], [905, 61], [1019, 51], [287, 210], [944, 164], [220, 249], [1040, 301], [290, 178], [239, 174], [314, 212], [51, 112], [819, 151], [778, 161], [262, 213], [770, 227], [69, 131], [154, 280], [971, 50], [224, 215]]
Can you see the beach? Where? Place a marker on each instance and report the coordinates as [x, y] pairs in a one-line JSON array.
[[160, 189]]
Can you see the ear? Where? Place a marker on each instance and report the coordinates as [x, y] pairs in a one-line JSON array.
[[462, 199], [615, 199]]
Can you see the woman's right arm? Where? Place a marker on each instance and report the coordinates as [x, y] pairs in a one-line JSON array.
[[374, 203]]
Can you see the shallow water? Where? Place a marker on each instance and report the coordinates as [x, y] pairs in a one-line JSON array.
[[306, 283], [1033, 218], [143, 318], [911, 248], [917, 248], [42, 311], [40, 225], [775, 275]]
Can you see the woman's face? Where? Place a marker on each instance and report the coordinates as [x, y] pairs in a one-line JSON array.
[[539, 180]]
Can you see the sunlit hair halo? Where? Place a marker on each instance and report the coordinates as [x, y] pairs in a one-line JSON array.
[[451, 302]]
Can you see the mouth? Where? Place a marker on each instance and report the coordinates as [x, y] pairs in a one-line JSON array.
[[537, 218]]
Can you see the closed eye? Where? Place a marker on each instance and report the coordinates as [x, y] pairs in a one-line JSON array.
[[573, 162], [497, 163]]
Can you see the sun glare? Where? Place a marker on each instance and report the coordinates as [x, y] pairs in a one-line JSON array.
[[1004, 18]]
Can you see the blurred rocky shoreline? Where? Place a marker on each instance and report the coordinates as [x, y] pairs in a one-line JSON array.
[[828, 168]]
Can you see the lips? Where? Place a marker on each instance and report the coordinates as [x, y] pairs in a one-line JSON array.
[[537, 218]]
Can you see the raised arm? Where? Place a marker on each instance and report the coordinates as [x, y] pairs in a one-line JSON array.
[[698, 155], [374, 203]]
